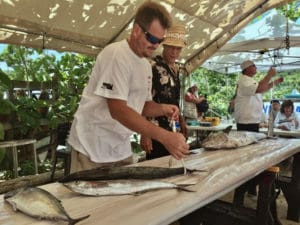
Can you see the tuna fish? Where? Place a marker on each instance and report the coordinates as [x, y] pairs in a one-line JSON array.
[[231, 139], [39, 203], [124, 172], [120, 187]]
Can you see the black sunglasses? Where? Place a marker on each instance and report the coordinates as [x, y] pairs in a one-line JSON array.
[[151, 38]]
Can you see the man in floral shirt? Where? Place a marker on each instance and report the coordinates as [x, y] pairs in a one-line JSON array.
[[166, 87]]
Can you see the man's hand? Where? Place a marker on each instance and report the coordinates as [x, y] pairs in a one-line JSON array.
[[146, 144], [282, 127], [176, 145], [278, 81], [272, 71], [171, 111]]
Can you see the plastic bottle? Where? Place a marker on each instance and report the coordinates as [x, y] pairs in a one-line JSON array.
[[177, 124]]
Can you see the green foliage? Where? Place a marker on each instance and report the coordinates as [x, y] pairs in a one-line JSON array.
[[27, 168], [6, 175], [291, 10], [6, 107], [71, 72], [5, 81], [135, 146], [45, 166], [27, 64], [27, 113]]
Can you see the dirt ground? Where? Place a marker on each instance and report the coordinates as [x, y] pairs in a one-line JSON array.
[[281, 207], [251, 203]]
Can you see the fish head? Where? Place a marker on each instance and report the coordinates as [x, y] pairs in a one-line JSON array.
[[75, 184], [13, 193]]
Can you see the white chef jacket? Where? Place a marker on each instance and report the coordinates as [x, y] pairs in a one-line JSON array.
[[119, 74], [248, 104]]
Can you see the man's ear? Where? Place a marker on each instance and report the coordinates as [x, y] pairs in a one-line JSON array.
[[135, 29]]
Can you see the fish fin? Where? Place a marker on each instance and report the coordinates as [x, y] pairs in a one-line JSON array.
[[14, 206], [182, 187], [74, 221], [227, 129]]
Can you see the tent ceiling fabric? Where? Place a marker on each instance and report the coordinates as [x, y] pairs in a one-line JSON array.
[[87, 26], [263, 41]]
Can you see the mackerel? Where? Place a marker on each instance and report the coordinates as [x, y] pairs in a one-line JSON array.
[[125, 172], [120, 187], [39, 203]]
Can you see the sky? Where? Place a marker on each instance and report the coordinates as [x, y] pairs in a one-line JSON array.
[[2, 46], [2, 64]]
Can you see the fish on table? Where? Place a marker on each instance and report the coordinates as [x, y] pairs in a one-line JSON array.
[[231, 139], [40, 204], [125, 172], [121, 187]]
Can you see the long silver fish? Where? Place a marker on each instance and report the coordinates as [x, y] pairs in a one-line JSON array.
[[232, 139], [120, 187], [125, 172], [39, 203]]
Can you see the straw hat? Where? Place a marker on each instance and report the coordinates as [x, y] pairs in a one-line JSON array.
[[175, 36], [246, 64]]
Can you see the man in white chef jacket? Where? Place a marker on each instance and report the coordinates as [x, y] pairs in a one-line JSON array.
[[118, 96]]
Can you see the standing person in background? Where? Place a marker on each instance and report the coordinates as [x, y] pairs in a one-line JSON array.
[[166, 87], [287, 119], [275, 106], [248, 105], [118, 96], [230, 109], [194, 105], [248, 102]]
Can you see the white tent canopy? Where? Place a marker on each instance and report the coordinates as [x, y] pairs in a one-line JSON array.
[[264, 42], [87, 26]]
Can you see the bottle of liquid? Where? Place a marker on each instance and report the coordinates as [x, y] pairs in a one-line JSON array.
[[173, 125]]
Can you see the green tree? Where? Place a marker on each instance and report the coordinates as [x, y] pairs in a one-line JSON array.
[[291, 10], [27, 64], [70, 71]]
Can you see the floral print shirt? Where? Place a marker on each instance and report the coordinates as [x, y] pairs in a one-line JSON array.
[[165, 87]]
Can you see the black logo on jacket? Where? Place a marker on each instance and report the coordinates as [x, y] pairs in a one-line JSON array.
[[107, 86]]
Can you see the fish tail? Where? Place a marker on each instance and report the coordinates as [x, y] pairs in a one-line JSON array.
[[182, 187], [195, 170], [74, 221]]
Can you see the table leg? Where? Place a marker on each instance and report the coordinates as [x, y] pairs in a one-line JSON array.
[[291, 189], [266, 203], [15, 161]]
